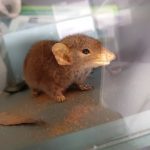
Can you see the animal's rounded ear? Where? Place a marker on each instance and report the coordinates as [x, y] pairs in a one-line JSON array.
[[62, 54]]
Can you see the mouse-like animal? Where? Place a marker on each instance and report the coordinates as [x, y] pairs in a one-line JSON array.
[[52, 66]]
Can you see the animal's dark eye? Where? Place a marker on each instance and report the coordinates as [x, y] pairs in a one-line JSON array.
[[85, 51]]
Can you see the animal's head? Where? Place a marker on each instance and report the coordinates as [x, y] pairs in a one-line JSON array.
[[82, 50]]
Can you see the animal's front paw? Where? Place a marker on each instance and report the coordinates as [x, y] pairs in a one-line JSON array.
[[61, 98], [85, 87]]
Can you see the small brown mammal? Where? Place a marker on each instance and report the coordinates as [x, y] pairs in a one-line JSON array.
[[52, 66]]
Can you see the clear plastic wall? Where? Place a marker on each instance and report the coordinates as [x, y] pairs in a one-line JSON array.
[[122, 87]]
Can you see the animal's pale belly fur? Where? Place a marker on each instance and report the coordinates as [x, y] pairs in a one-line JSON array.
[[80, 75]]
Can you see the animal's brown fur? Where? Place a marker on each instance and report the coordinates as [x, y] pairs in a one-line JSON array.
[[43, 73]]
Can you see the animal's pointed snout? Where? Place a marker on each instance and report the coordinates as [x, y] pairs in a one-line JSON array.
[[109, 55]]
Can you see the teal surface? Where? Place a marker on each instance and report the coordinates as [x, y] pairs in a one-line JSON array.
[[136, 144], [81, 111], [111, 136]]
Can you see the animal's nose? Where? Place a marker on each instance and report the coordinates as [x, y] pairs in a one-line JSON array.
[[109, 55]]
